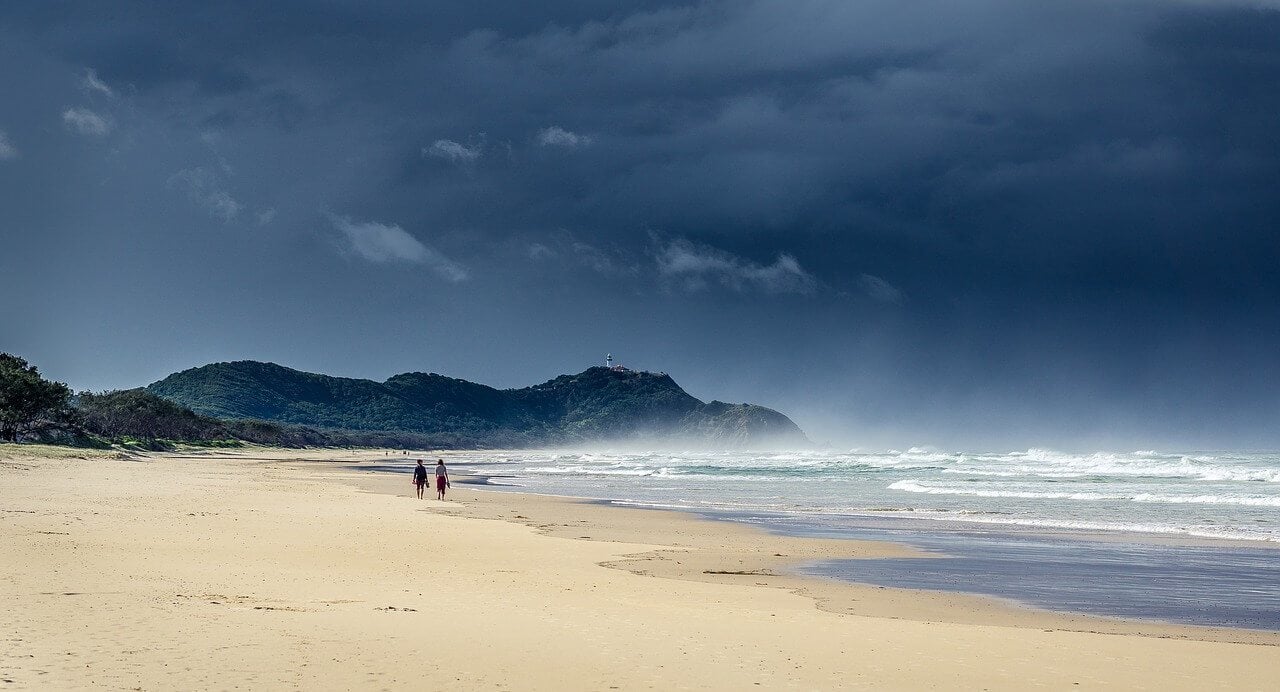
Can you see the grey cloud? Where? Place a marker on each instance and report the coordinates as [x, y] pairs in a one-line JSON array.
[[1116, 161], [93, 84], [381, 243], [7, 150], [602, 261], [555, 136], [538, 251], [611, 262], [205, 189], [453, 151], [86, 122], [694, 266], [880, 290]]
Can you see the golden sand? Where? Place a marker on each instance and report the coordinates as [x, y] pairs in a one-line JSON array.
[[263, 569]]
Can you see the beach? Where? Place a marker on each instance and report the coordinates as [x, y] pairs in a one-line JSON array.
[[271, 569]]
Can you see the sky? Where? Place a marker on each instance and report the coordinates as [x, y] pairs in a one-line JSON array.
[[968, 225]]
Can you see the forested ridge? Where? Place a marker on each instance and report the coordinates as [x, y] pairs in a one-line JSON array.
[[264, 403], [596, 404]]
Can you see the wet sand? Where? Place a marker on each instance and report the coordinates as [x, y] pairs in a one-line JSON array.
[[269, 569]]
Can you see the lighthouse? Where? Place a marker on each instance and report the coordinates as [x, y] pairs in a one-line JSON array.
[[608, 360]]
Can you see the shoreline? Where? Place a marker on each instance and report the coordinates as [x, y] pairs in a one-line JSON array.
[[275, 569], [797, 552], [1142, 494], [926, 523], [1149, 578], [940, 525]]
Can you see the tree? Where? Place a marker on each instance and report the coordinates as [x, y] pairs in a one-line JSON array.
[[28, 402], [139, 413]]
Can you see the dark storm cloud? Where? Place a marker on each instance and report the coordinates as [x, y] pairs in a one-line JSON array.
[[980, 218]]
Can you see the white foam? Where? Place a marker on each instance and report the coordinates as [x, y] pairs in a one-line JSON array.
[[1047, 464], [1249, 501], [1224, 495], [587, 471], [913, 486], [1231, 533]]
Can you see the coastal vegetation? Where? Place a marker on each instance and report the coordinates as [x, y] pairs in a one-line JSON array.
[[596, 404], [250, 402], [34, 409], [30, 404], [140, 417]]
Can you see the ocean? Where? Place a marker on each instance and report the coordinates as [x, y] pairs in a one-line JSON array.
[[1178, 537], [1218, 495]]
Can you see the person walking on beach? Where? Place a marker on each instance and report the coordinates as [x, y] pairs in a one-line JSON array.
[[442, 479], [420, 478]]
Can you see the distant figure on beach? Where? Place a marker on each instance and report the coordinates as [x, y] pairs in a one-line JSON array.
[[442, 479], [420, 478]]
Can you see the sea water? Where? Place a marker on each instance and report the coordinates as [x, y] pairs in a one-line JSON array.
[[1182, 537], [1221, 495]]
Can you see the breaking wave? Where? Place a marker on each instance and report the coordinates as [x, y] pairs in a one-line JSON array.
[[912, 486], [1220, 494]]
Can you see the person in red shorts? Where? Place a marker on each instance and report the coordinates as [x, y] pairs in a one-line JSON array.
[[442, 479], [420, 478]]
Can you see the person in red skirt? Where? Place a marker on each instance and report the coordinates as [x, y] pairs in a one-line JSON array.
[[442, 479]]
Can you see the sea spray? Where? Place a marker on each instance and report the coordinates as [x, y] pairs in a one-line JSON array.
[[1212, 494]]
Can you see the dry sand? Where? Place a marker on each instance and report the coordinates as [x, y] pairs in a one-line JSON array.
[[258, 570]]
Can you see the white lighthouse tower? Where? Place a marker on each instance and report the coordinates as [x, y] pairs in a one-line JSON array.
[[608, 361]]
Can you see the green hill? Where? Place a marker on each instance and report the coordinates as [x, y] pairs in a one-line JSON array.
[[140, 417], [598, 404]]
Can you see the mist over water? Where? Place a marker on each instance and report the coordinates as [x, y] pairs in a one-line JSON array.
[[1230, 495]]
